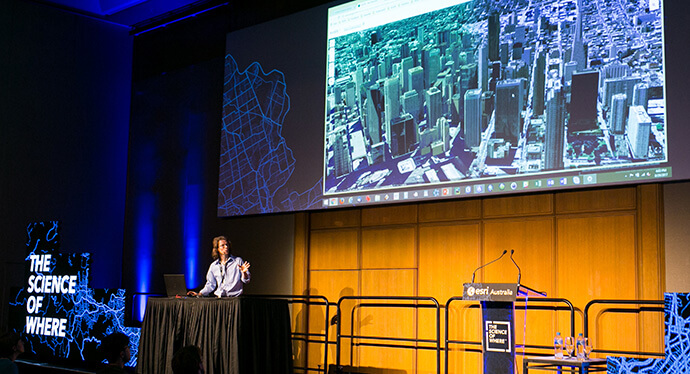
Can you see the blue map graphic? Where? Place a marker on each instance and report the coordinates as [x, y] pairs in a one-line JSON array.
[[255, 161], [91, 314], [677, 361]]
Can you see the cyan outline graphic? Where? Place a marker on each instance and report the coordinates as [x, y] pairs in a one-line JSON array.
[[91, 314], [255, 161], [677, 338]]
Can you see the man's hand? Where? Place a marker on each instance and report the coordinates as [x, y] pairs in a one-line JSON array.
[[244, 267]]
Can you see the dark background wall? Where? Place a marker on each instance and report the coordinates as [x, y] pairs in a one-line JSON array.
[[98, 124], [64, 120], [69, 87]]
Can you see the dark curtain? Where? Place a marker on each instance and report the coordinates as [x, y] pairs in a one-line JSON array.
[[264, 335], [236, 335]]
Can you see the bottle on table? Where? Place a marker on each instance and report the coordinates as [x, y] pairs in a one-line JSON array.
[[580, 346], [558, 345]]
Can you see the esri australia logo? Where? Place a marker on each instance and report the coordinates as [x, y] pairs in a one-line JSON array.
[[470, 291]]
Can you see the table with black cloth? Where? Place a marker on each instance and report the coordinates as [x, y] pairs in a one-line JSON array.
[[235, 334]]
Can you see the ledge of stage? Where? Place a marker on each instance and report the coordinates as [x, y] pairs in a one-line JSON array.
[[235, 335]]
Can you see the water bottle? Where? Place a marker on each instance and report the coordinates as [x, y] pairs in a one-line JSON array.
[[580, 346], [558, 345]]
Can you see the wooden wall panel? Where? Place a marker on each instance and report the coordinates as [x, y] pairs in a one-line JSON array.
[[596, 259], [596, 200], [335, 219], [334, 249], [652, 274], [447, 257], [389, 215], [388, 322], [389, 248], [533, 241], [450, 211], [518, 206]]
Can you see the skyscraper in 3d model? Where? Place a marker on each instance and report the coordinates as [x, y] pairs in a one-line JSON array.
[[494, 23], [341, 155], [579, 51], [569, 68], [403, 135], [508, 110], [554, 136], [405, 65], [426, 57], [641, 94], [468, 78], [434, 66], [433, 107], [625, 85], [473, 117], [615, 69], [416, 80], [411, 103], [483, 67], [488, 102], [503, 53], [639, 129], [350, 97], [443, 126], [374, 112], [539, 82], [618, 114], [583, 102], [391, 97]]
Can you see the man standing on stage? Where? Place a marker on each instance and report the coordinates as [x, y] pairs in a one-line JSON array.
[[227, 274]]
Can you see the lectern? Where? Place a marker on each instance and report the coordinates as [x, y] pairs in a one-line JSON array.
[[498, 321]]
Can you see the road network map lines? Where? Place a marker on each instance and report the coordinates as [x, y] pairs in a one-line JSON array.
[[677, 361], [255, 160]]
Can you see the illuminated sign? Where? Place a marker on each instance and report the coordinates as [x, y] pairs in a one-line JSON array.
[[59, 315]]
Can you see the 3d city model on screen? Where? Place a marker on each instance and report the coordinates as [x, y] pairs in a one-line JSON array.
[[424, 92]]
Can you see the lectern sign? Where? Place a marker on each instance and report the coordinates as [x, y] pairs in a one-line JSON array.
[[490, 291], [498, 336]]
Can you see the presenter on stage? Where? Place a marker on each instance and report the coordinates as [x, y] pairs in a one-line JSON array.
[[227, 274]]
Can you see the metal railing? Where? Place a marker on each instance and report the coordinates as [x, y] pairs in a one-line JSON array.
[[412, 303], [422, 302], [629, 309], [568, 307]]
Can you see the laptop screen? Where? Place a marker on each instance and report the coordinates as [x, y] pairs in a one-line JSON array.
[[175, 285]]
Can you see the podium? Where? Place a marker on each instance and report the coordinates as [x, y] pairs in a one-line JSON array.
[[498, 321]]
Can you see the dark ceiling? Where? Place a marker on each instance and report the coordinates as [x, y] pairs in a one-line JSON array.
[[130, 13], [143, 15]]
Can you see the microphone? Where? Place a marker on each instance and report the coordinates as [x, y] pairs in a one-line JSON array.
[[516, 265], [488, 263]]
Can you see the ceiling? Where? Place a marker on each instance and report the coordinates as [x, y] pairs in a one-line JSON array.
[[130, 13]]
